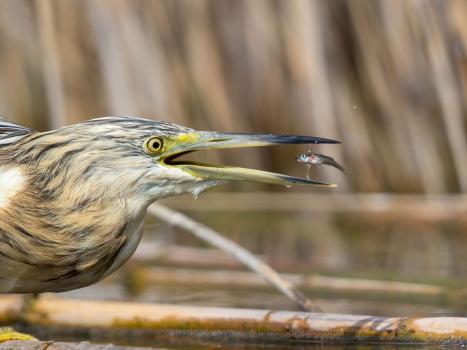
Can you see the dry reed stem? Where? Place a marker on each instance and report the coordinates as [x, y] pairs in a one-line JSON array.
[[122, 318], [52, 345], [51, 63], [245, 279]]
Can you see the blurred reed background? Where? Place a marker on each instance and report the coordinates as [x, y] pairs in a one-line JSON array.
[[387, 78]]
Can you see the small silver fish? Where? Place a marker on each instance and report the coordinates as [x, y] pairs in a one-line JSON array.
[[319, 159]]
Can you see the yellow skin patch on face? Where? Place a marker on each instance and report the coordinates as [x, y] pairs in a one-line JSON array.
[[171, 143], [187, 138]]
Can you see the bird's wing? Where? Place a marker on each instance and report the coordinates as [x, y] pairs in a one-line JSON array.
[[11, 132]]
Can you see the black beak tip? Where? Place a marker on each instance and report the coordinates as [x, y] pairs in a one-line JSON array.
[[329, 141], [307, 140], [317, 140]]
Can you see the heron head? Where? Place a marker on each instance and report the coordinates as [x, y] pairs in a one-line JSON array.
[[135, 157]]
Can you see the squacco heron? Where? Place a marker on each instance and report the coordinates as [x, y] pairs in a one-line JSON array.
[[73, 200]]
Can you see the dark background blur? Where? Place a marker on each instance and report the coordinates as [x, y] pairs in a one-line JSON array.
[[387, 78]]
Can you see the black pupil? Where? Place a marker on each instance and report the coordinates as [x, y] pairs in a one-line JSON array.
[[155, 144]]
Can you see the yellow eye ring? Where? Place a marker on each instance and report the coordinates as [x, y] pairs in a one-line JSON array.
[[153, 145]]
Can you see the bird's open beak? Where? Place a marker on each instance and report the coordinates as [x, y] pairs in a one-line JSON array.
[[198, 140]]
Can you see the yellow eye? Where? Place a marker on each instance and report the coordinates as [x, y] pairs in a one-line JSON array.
[[153, 145]]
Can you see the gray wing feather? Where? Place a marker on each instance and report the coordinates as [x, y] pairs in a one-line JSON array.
[[11, 132]]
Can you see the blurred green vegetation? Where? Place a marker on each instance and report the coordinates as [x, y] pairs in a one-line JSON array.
[[387, 78]]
